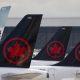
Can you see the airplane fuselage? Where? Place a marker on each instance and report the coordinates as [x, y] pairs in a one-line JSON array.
[[60, 72]]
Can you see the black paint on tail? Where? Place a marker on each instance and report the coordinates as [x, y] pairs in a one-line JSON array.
[[17, 49], [73, 59], [56, 47]]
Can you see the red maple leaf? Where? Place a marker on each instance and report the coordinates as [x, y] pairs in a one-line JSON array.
[[56, 49], [16, 50]]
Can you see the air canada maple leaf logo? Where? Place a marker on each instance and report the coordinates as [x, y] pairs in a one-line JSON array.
[[55, 49], [77, 53], [17, 50]]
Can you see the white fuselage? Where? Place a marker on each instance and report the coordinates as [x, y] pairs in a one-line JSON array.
[[60, 72]]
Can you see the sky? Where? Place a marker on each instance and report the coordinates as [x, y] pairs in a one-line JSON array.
[[50, 8]]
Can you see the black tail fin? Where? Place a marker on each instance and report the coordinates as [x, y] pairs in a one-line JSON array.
[[55, 49], [16, 50], [73, 59]]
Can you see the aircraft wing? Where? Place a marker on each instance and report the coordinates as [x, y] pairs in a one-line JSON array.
[[29, 74], [22, 76], [69, 79]]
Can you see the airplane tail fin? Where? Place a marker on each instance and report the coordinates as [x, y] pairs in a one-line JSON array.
[[56, 47], [16, 50], [4, 15], [4, 11], [73, 59]]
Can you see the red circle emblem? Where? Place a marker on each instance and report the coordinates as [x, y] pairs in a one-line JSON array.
[[55, 49], [77, 53], [17, 50]]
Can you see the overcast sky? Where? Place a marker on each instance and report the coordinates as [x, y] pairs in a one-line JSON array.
[[50, 8]]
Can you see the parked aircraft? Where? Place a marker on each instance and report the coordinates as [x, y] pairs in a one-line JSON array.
[[17, 48], [55, 50], [4, 11]]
